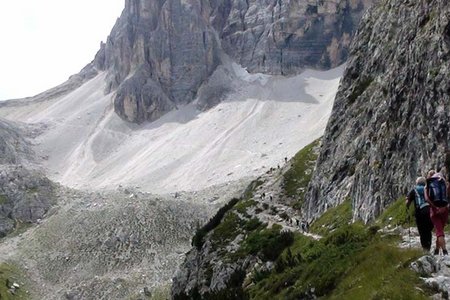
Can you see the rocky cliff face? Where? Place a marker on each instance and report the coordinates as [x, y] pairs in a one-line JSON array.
[[13, 147], [160, 52], [25, 195], [391, 116], [281, 37]]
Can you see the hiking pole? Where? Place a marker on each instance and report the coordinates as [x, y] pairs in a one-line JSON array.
[[409, 226]]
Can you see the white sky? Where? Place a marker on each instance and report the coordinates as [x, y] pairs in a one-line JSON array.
[[43, 42]]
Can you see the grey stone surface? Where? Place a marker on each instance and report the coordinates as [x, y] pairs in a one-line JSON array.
[[425, 266], [25, 197], [14, 149], [282, 37], [160, 53], [390, 120], [157, 56]]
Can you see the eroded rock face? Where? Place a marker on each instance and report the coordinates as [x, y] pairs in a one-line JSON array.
[[25, 197], [158, 55], [282, 37], [390, 120], [160, 52], [13, 147]]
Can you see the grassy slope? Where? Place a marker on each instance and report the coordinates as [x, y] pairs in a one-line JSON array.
[[9, 275], [351, 261], [296, 180]]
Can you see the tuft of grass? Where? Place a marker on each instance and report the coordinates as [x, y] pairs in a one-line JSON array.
[[333, 218], [251, 188], [360, 89], [242, 206], [227, 230], [254, 224], [382, 271], [297, 178], [198, 239], [3, 199], [269, 243], [396, 214], [9, 275]]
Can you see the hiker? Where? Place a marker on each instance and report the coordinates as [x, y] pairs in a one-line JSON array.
[[303, 226], [436, 195], [422, 212]]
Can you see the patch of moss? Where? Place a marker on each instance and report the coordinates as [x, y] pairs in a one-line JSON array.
[[8, 276], [360, 89], [333, 218], [297, 178], [3, 199], [201, 232], [254, 224], [397, 214], [228, 229], [268, 244], [242, 206], [248, 193]]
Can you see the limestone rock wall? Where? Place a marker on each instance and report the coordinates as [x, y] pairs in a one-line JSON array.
[[390, 121], [282, 37], [160, 52]]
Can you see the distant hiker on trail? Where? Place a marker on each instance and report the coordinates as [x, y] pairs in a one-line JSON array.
[[436, 195], [303, 225], [422, 212]]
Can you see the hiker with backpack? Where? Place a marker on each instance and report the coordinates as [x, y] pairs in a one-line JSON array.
[[422, 212], [436, 195]]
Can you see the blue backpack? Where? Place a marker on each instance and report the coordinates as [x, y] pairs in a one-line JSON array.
[[420, 197], [437, 190]]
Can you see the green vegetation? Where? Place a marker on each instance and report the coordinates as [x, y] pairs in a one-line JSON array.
[[296, 180], [242, 206], [8, 276], [350, 261], [397, 214], [312, 264], [341, 266], [268, 243], [333, 218], [227, 230], [360, 89], [198, 239], [248, 193], [3, 199], [381, 271]]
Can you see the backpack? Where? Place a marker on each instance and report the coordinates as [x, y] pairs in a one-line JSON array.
[[420, 201], [437, 190]]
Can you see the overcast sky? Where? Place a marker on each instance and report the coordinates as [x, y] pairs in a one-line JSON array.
[[43, 42]]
